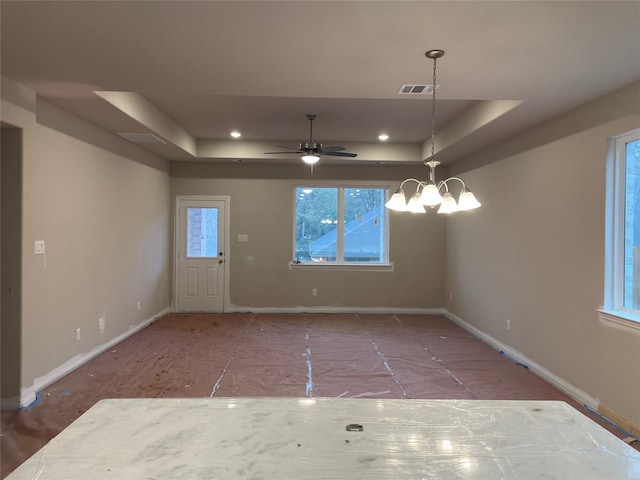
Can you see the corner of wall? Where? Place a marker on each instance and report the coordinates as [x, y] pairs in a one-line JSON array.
[[17, 94]]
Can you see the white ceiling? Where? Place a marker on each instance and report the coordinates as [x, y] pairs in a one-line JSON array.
[[191, 72]]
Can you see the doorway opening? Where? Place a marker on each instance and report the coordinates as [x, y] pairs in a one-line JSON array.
[[10, 266]]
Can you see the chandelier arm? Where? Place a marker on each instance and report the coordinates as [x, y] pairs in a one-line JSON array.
[[454, 178], [420, 183]]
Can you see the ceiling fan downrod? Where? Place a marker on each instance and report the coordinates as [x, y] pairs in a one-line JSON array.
[[311, 143]]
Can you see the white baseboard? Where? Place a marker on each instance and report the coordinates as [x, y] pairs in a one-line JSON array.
[[561, 384], [334, 309], [29, 395]]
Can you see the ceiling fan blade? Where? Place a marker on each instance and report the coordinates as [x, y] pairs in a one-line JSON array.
[[340, 154], [277, 153], [312, 148], [331, 149]]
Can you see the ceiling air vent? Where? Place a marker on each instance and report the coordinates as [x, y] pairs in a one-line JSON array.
[[414, 89], [141, 137]]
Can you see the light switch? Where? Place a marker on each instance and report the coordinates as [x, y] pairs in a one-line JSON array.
[[38, 247], [243, 237]]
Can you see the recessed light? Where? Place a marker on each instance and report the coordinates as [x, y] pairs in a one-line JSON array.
[[236, 134], [383, 137]]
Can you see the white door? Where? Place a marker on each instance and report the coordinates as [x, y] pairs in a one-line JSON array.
[[200, 254]]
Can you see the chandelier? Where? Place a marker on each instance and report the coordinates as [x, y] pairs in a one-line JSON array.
[[431, 193]]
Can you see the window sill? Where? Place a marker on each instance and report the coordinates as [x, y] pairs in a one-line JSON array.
[[376, 267], [619, 319]]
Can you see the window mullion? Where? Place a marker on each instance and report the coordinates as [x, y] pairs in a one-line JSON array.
[[340, 227]]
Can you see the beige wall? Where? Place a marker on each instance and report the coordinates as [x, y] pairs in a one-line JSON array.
[[534, 254], [260, 276], [102, 207]]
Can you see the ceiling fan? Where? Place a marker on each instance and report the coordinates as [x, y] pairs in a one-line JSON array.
[[311, 151]]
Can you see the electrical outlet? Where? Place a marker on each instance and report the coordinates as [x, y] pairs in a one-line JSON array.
[[508, 324], [101, 325], [314, 292], [451, 296], [77, 334], [138, 306]]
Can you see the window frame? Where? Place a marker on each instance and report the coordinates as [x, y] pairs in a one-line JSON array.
[[614, 313], [385, 265]]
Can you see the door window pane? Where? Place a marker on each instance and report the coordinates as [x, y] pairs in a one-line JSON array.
[[202, 232]]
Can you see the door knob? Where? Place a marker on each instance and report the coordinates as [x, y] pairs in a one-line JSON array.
[[220, 261]]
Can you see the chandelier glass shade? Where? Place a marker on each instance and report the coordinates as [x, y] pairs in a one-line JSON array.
[[431, 193]]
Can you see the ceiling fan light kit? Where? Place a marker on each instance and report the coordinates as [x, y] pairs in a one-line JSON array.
[[428, 193], [310, 158]]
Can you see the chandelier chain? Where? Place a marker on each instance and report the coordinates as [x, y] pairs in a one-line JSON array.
[[428, 193], [433, 112]]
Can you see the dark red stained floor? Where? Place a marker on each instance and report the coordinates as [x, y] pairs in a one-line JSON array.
[[241, 355]]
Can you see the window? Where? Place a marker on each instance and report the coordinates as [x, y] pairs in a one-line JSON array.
[[622, 256], [340, 226]]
